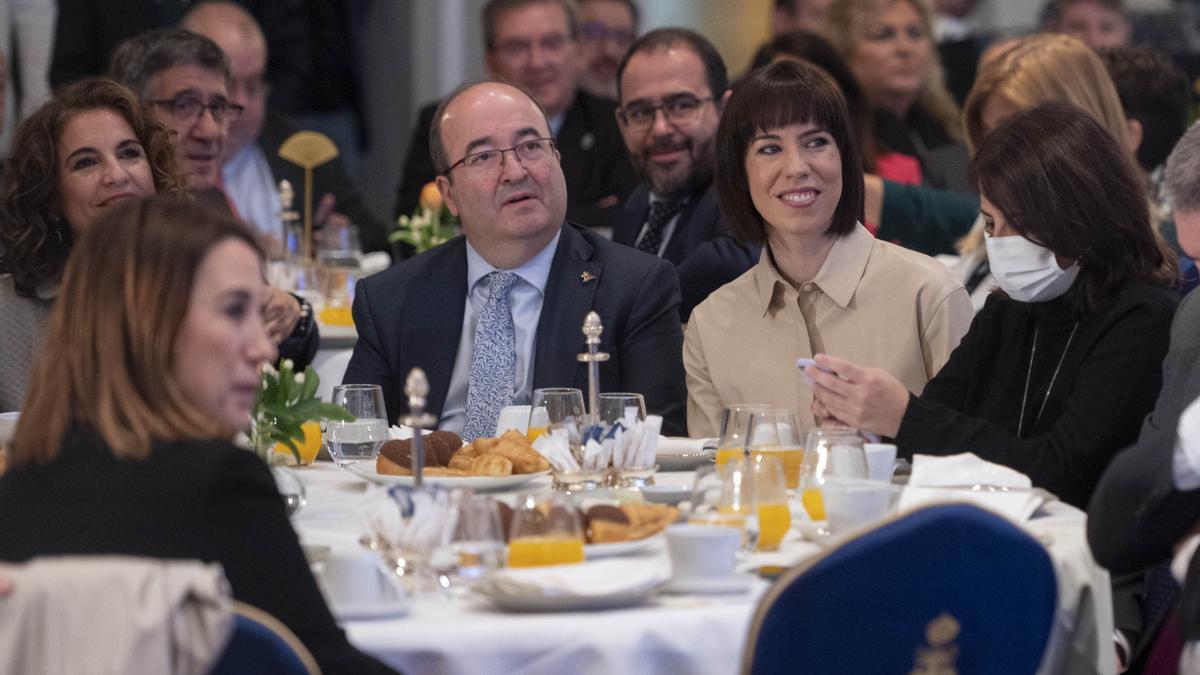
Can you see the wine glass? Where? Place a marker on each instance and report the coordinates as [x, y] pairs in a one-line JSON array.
[[554, 407], [360, 439], [545, 531], [829, 454], [477, 538], [621, 406], [770, 499], [723, 495], [776, 433], [735, 427]]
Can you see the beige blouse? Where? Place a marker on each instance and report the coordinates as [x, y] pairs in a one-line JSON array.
[[872, 302]]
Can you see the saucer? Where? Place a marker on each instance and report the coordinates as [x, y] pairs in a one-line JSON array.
[[738, 582], [666, 494]]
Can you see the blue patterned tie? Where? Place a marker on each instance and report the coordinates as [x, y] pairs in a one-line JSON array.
[[493, 377]]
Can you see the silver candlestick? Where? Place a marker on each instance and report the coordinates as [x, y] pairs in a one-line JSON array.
[[592, 329], [416, 388]]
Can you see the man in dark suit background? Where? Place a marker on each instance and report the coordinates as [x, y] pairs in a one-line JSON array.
[[496, 313], [252, 167], [1149, 497], [673, 85], [532, 43]]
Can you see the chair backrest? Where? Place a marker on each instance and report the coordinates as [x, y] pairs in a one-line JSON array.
[[944, 589], [262, 644]]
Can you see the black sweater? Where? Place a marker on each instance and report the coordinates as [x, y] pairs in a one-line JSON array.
[[202, 500], [1108, 382]]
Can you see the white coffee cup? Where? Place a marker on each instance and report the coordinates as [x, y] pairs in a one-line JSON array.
[[702, 552], [851, 504], [353, 578], [881, 460], [513, 417], [8, 425]]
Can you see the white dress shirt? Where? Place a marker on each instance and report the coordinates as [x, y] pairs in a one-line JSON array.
[[250, 184]]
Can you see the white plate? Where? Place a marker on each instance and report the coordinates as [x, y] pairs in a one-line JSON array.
[[366, 470], [359, 611], [596, 551], [569, 603], [666, 494], [689, 462], [739, 582]]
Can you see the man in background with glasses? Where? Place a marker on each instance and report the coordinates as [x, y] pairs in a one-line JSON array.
[[186, 79], [533, 44], [606, 29], [673, 86], [497, 313]]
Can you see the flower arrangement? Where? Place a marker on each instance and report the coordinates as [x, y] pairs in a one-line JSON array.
[[431, 225], [286, 413]]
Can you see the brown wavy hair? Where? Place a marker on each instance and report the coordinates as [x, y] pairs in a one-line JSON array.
[[34, 238], [109, 355]]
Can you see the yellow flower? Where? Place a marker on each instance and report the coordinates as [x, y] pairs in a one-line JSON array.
[[431, 197]]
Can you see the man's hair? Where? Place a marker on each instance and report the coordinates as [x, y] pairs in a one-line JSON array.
[[1154, 91], [437, 149], [1114, 5], [108, 360], [629, 4], [665, 38], [137, 60], [494, 8], [1181, 181]]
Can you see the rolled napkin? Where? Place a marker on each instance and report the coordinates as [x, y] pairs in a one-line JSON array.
[[555, 446], [963, 470], [408, 520], [672, 446], [592, 579]]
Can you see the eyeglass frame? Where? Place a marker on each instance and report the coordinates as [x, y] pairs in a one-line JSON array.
[[225, 118], [653, 110], [502, 151]]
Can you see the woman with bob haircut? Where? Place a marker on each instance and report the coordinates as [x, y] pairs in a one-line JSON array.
[[789, 176], [81, 154], [124, 446], [1059, 368]]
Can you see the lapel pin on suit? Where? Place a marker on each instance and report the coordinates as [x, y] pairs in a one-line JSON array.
[[586, 277], [587, 140]]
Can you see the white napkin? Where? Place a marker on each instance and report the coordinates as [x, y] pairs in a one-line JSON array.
[[430, 519], [963, 470], [670, 447], [590, 579], [374, 262], [555, 447], [403, 433], [1017, 505]]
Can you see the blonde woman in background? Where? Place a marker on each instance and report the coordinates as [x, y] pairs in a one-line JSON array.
[[889, 47]]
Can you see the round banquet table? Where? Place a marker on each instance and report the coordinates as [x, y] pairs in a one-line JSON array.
[[670, 633]]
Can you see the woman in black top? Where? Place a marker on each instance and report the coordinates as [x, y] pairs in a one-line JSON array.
[[148, 371], [1058, 370]]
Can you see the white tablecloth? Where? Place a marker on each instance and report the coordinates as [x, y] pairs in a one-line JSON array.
[[675, 634]]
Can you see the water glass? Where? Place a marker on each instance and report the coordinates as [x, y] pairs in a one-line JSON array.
[[557, 407], [723, 495], [621, 406], [829, 454], [775, 433], [477, 538], [358, 440], [735, 430], [546, 530]]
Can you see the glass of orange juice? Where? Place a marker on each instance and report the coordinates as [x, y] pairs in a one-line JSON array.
[[776, 433], [545, 531], [770, 500], [735, 427], [829, 453]]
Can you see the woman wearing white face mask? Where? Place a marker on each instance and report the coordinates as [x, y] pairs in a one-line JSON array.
[[1060, 366]]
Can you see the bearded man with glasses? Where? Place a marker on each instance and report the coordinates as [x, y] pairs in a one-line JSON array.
[[672, 88], [496, 313]]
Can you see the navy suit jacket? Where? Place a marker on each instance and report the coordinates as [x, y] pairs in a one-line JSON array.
[[411, 316], [702, 248]]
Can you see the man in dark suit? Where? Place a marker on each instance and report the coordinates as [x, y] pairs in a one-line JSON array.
[[673, 86], [497, 313], [1149, 497], [252, 166], [532, 43]]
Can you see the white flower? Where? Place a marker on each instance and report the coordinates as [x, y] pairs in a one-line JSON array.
[[299, 378], [287, 363]]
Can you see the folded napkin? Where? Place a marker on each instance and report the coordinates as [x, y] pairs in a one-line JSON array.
[[403, 433], [590, 579], [1018, 505], [671, 447], [374, 262], [963, 470]]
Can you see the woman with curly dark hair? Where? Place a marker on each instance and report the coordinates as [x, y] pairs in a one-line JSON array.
[[90, 148]]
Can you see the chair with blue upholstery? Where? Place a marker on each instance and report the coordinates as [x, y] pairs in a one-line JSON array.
[[262, 644], [944, 589]]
